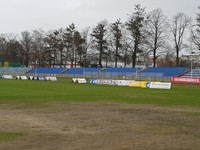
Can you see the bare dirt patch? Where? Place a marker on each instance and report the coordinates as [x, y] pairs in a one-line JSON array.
[[102, 126]]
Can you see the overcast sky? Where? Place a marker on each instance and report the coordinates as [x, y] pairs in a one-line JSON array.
[[20, 15]]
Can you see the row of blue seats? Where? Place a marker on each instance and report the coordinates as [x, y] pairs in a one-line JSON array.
[[79, 71], [41, 70], [158, 71], [121, 69], [14, 70], [63, 70], [127, 72], [164, 71], [194, 73]]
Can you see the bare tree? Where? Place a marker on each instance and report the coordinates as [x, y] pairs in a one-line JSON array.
[[126, 47], [60, 44], [26, 41], [116, 30], [3, 44], [85, 45], [180, 22], [69, 40], [195, 33], [78, 41], [135, 25], [13, 49], [51, 47], [100, 41], [39, 46], [155, 32], [56, 45]]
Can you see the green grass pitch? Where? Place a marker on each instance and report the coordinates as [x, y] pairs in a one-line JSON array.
[[38, 92]]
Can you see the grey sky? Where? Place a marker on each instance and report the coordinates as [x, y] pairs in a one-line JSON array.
[[20, 15]]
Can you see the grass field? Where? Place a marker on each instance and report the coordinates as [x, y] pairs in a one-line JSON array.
[[65, 90], [41, 115]]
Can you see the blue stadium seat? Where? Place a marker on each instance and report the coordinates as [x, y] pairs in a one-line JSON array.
[[41, 70], [81, 71], [163, 71], [127, 72], [14, 70], [194, 73]]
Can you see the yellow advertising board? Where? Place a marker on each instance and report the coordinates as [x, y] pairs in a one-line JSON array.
[[137, 84], [6, 64], [143, 84]]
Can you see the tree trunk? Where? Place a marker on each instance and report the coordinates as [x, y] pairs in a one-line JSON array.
[[125, 58], [100, 55], [61, 58], [154, 58], [177, 58], [100, 59], [116, 56], [133, 59], [27, 60], [75, 59]]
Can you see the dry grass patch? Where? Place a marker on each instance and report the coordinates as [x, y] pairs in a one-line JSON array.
[[102, 126]]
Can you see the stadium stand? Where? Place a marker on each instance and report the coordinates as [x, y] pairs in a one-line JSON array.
[[74, 71], [91, 71], [41, 70], [119, 72], [82, 71], [194, 73], [14, 70], [157, 73], [163, 71]]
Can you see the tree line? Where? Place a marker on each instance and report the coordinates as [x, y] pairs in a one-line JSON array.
[[144, 37]]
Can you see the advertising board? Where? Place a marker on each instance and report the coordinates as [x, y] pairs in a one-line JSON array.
[[101, 81], [79, 80], [121, 82], [7, 77], [185, 80], [158, 85], [23, 78], [135, 83], [51, 78]]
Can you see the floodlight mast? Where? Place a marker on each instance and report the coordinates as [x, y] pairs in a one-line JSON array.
[[191, 70], [191, 67]]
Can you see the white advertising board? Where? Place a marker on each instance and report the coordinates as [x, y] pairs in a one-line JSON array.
[[23, 78], [30, 77], [41, 78], [158, 85], [7, 77], [35, 78], [79, 80], [51, 78], [74, 80], [102, 81], [121, 82]]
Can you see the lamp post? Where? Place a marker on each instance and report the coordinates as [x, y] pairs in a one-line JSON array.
[[36, 67], [191, 71], [191, 67]]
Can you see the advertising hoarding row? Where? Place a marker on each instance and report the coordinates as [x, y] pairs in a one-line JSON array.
[[30, 78], [132, 83]]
